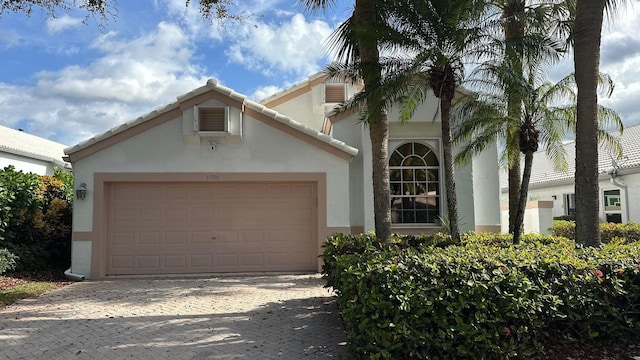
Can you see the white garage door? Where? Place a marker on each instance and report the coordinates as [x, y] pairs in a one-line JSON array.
[[176, 228]]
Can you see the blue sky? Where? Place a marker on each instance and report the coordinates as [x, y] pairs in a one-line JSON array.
[[67, 80]]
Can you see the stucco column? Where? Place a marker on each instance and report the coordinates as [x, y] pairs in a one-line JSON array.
[[486, 190]]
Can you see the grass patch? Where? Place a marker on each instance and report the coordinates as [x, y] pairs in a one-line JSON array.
[[25, 291]]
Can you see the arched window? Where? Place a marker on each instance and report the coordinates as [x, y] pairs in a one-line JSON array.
[[414, 177]]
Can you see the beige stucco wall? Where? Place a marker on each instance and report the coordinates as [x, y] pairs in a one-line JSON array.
[[423, 127], [164, 149]]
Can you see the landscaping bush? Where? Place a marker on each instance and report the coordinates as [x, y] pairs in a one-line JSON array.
[[608, 231], [565, 217], [7, 260], [482, 298], [35, 214]]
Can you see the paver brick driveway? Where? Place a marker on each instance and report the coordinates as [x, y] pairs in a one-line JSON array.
[[236, 317]]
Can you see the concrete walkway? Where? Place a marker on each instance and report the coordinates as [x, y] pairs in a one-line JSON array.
[[237, 317]]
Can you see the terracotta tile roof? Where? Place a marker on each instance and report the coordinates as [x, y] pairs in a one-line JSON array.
[[544, 172], [20, 143], [213, 84]]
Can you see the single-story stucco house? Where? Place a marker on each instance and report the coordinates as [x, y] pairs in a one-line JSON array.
[[30, 153], [214, 182], [619, 181]]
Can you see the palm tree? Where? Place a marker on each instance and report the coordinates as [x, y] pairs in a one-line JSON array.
[[548, 114], [442, 33], [586, 56], [358, 41]]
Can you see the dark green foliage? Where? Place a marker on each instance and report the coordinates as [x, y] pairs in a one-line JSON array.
[[421, 298], [36, 219], [608, 231], [565, 217], [7, 260]]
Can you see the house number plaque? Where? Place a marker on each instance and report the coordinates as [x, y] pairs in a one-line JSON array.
[[213, 177]]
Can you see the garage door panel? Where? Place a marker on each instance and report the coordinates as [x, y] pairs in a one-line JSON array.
[[175, 261], [122, 239], [176, 215], [124, 214], [303, 191], [166, 228], [202, 237], [148, 262], [202, 261], [149, 238], [175, 237]]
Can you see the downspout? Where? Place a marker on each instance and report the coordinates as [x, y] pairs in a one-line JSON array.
[[613, 173], [73, 276]]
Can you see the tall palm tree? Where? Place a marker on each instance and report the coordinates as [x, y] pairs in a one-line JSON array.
[[586, 56], [442, 33], [548, 114], [358, 41]]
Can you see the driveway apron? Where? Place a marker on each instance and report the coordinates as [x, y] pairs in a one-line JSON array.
[[234, 317]]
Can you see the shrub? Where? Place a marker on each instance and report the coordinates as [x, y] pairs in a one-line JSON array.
[[7, 260], [608, 231], [36, 219], [484, 297]]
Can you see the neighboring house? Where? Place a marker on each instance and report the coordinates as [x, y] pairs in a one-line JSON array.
[[30, 153], [619, 181], [215, 182]]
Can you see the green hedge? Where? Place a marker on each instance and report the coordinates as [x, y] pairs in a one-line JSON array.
[[608, 231], [424, 298]]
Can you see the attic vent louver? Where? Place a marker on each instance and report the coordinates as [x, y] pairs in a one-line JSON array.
[[211, 119]]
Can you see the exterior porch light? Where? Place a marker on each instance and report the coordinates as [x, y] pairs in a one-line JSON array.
[[81, 191]]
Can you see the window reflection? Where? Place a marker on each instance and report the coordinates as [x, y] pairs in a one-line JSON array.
[[414, 180]]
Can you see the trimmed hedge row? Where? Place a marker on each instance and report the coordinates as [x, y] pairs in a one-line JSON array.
[[427, 298], [608, 231]]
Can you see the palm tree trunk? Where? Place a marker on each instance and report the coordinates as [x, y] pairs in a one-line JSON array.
[[524, 193], [514, 185], [365, 13], [449, 175], [588, 27], [513, 32]]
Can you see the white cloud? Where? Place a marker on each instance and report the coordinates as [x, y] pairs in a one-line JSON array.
[[130, 78], [145, 69], [295, 47], [8, 39], [62, 23], [264, 92]]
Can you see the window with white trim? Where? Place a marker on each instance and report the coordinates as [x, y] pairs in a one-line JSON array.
[[414, 178]]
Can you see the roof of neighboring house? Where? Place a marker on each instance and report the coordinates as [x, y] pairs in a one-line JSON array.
[[543, 171], [20, 143], [295, 89], [213, 85]]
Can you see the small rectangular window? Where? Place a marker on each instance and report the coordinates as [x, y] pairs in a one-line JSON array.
[[334, 93], [212, 119], [570, 204]]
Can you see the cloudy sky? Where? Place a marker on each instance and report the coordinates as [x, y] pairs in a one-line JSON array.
[[67, 79]]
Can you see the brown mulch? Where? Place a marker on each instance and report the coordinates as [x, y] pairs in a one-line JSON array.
[[14, 279]]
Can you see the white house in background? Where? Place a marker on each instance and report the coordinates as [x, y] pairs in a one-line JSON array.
[[619, 181], [214, 182], [30, 153]]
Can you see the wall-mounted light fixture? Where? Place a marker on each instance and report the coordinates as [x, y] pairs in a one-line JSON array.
[[81, 191], [554, 197]]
